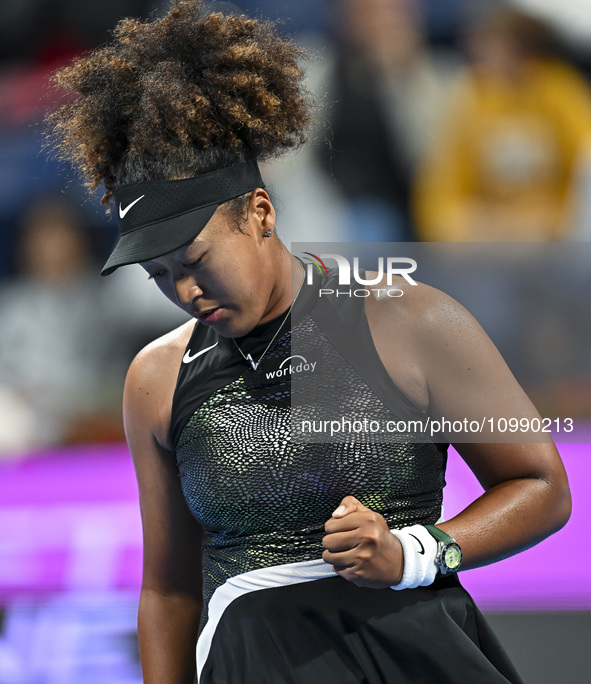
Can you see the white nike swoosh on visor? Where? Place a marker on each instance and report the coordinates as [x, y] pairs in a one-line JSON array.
[[122, 212], [187, 358]]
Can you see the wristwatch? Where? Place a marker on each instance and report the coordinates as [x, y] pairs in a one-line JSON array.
[[449, 554]]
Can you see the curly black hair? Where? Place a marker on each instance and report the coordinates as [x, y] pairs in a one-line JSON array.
[[178, 96]]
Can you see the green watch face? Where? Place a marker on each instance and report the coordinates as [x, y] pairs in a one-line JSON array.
[[452, 557]]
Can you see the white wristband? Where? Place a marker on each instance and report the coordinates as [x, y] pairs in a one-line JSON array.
[[419, 549]]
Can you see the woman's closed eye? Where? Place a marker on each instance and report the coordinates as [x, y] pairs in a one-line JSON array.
[[193, 264], [189, 265]]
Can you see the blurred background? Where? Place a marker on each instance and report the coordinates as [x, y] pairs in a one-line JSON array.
[[456, 121]]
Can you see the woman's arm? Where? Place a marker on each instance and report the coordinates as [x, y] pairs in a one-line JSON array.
[[171, 601], [444, 359], [526, 499], [526, 489]]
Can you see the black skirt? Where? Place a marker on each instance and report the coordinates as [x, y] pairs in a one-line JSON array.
[[330, 631]]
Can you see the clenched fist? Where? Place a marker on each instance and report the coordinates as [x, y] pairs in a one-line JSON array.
[[361, 548]]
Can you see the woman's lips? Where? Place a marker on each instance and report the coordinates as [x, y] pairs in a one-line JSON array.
[[211, 316]]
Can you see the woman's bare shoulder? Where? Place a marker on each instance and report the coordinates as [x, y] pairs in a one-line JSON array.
[[415, 327], [168, 349], [419, 306], [150, 383]]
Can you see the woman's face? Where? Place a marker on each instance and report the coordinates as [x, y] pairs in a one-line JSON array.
[[226, 278]]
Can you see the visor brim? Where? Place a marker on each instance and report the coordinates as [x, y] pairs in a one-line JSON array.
[[157, 239]]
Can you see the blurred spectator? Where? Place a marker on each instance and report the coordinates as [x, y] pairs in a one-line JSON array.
[[53, 338], [385, 94], [505, 163], [68, 335], [297, 177]]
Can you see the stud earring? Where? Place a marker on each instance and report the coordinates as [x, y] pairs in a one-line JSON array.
[[268, 233]]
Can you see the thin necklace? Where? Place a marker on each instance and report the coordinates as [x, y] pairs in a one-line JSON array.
[[248, 357]]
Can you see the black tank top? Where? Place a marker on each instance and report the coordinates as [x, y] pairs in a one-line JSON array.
[[260, 481]]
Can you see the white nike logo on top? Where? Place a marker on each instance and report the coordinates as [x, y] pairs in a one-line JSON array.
[[122, 212], [187, 358]]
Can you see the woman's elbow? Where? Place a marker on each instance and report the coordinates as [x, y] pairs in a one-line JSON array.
[[565, 508], [560, 505]]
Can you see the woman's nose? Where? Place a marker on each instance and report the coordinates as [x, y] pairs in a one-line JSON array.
[[186, 290]]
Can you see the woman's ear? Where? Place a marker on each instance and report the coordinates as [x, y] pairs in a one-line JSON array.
[[262, 210]]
